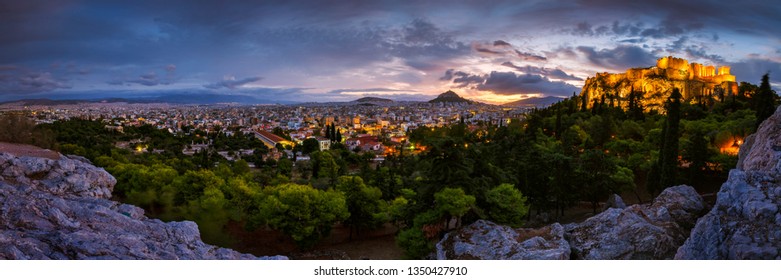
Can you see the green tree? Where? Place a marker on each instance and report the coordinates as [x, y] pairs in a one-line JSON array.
[[507, 205], [668, 155], [304, 213], [363, 202], [414, 243], [310, 145], [764, 101], [454, 202]]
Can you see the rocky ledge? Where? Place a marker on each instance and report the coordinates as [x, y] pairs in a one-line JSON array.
[[649, 231], [745, 223], [60, 209]]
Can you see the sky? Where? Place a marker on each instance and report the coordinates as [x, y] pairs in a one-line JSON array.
[[317, 51]]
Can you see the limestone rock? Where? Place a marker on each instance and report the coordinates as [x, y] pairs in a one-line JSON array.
[[650, 231], [486, 240], [614, 201], [58, 209], [745, 223]]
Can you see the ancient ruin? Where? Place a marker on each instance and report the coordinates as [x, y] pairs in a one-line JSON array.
[[696, 82]]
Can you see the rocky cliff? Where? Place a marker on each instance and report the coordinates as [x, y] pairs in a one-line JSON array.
[[654, 84], [745, 223], [60, 209], [649, 231]]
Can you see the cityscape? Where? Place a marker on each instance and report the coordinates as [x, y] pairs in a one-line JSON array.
[[371, 132]]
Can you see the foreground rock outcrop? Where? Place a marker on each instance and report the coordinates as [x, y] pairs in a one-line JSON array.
[[649, 231], [59, 209], [485, 240], [745, 223]]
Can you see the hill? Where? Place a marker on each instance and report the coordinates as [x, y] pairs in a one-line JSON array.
[[534, 102], [373, 100], [450, 97]]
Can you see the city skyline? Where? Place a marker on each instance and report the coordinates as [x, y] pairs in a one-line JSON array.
[[302, 51]]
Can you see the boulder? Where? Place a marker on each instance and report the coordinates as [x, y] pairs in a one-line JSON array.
[[649, 231], [59, 209], [486, 240], [745, 222], [614, 201]]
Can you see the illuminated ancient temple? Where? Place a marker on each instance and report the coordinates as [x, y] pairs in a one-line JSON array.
[[694, 80]]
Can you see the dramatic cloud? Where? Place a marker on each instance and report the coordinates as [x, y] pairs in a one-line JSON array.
[[156, 45], [462, 79], [498, 43], [549, 73], [751, 70], [530, 57], [618, 58], [15, 80], [510, 83], [232, 83], [502, 48]]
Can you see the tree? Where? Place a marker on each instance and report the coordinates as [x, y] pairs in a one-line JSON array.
[[363, 202], [595, 173], [454, 202], [506, 205], [310, 145], [764, 101], [304, 213], [668, 154], [324, 166]]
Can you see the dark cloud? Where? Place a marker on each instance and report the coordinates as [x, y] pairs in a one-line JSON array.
[[509, 83], [751, 70], [488, 51], [547, 72], [424, 46], [504, 48], [499, 43], [17, 80], [700, 53], [232, 83], [529, 56], [461, 78], [666, 28], [619, 58], [149, 79]]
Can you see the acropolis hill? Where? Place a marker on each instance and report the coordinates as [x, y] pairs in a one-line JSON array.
[[694, 80]]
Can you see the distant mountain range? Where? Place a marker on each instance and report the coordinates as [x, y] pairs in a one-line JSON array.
[[534, 102], [450, 97]]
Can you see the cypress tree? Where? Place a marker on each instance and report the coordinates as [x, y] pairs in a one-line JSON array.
[[584, 102], [668, 156], [764, 101]]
